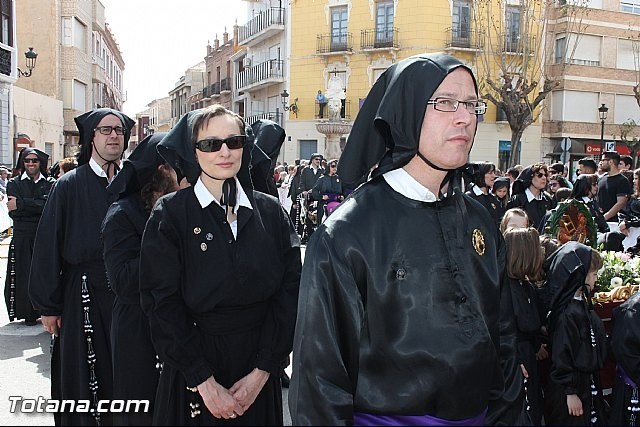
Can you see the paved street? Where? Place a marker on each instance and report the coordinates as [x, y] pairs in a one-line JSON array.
[[25, 363]]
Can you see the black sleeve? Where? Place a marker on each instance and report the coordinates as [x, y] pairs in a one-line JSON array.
[[318, 189], [564, 346]]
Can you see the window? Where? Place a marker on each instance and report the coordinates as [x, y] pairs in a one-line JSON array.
[[626, 57], [6, 22], [630, 6], [384, 23], [560, 50], [585, 52], [504, 154], [48, 148], [308, 147], [339, 17], [461, 22], [625, 108], [564, 102], [512, 26], [79, 35], [79, 96]]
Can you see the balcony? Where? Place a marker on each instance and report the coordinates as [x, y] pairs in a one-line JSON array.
[[262, 26], [205, 92], [513, 43], [345, 111], [273, 116], [463, 38], [379, 38], [214, 91], [260, 76], [328, 44], [225, 86], [5, 61]]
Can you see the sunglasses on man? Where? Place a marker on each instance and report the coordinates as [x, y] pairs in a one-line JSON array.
[[32, 160], [211, 145]]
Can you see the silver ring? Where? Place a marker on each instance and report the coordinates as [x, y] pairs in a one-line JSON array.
[[232, 415]]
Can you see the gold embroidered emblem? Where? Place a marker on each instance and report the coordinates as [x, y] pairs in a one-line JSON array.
[[478, 242], [197, 230]]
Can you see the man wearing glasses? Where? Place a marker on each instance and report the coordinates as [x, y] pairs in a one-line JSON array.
[[409, 321], [27, 194], [68, 283], [614, 188]]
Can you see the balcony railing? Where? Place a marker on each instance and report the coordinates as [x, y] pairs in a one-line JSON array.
[[260, 22], [463, 38], [215, 89], [345, 111], [260, 73], [225, 85], [515, 43], [334, 42], [273, 116], [205, 92], [379, 38]]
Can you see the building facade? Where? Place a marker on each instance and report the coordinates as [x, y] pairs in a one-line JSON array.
[[192, 82], [9, 57], [159, 111], [219, 76]]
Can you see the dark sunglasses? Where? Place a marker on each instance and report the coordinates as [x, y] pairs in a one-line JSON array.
[[31, 160], [540, 174], [333, 165], [211, 145]]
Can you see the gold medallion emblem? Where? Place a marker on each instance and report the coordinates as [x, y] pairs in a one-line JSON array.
[[478, 242]]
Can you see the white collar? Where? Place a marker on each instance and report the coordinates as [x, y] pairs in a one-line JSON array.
[[530, 195], [586, 199], [97, 169], [205, 198], [25, 176], [477, 191], [405, 184]]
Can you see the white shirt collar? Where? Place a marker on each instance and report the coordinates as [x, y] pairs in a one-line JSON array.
[[405, 184], [586, 199], [97, 169], [530, 195], [477, 191], [205, 198], [25, 176]]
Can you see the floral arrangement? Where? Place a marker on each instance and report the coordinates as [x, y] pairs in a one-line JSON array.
[[618, 269]]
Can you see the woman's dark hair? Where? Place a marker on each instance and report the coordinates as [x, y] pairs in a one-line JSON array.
[[161, 183], [562, 182], [582, 185], [481, 169], [209, 113]]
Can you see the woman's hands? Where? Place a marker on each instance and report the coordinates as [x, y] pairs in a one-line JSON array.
[[574, 404], [218, 400], [246, 389], [52, 324]]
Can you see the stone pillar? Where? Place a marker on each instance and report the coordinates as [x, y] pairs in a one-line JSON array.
[[332, 147]]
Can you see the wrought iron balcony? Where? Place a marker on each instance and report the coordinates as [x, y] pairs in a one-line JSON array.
[[215, 90], [345, 110], [272, 18], [463, 38], [515, 43], [334, 43], [263, 74], [225, 85], [379, 38], [273, 116], [205, 92]]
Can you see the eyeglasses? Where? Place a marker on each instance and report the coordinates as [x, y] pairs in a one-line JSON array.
[[541, 174], [553, 184], [106, 130], [333, 166], [450, 105], [211, 145], [32, 160]]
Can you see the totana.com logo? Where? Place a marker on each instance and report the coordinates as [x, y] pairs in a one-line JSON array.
[[42, 405]]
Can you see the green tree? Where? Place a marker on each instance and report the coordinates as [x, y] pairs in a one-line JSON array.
[[628, 128]]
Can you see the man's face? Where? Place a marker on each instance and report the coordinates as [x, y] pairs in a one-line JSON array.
[[316, 162], [109, 146], [32, 165], [446, 137], [605, 164]]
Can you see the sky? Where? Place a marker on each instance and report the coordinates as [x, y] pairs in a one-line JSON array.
[[160, 39]]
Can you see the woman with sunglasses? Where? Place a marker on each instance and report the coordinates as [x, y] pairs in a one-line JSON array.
[[529, 195], [328, 190], [220, 269]]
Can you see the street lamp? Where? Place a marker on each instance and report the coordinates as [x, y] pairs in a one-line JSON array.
[[293, 107], [31, 57], [603, 116]]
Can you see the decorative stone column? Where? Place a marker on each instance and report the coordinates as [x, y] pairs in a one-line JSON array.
[[333, 132]]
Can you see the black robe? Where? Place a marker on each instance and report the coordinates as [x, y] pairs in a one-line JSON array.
[[625, 345], [528, 324], [68, 279], [327, 184], [490, 203], [135, 374], [575, 364], [536, 209], [218, 305], [400, 315], [30, 200]]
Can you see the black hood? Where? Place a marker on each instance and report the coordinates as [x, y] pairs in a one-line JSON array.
[[86, 124], [523, 181], [567, 270], [44, 159], [386, 132], [139, 167], [501, 182], [268, 139]]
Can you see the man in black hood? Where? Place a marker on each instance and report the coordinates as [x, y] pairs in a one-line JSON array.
[[68, 283], [409, 319], [27, 194]]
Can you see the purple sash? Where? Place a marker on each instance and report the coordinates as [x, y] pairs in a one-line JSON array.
[[624, 377], [364, 419]]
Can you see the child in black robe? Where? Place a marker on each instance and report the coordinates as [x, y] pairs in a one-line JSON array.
[[524, 262], [625, 344], [578, 346]]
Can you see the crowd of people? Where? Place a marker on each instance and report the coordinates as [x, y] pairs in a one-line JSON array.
[[431, 292]]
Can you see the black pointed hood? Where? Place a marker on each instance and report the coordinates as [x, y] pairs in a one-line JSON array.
[[86, 124], [523, 181], [268, 139], [139, 167], [386, 132]]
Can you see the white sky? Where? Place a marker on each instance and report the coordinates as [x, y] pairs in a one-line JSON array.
[[160, 39]]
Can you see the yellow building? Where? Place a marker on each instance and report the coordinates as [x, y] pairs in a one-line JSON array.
[[354, 41]]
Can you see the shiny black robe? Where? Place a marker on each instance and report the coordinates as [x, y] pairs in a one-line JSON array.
[[574, 360], [68, 276], [217, 305], [30, 200], [400, 315], [135, 374]]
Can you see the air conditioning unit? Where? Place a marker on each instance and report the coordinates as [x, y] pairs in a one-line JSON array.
[[246, 62]]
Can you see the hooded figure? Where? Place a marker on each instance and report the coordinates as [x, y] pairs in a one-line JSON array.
[[578, 340], [143, 176], [87, 123], [268, 138], [408, 290], [27, 194], [221, 281], [536, 208]]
